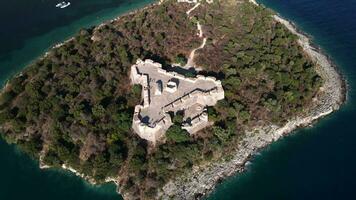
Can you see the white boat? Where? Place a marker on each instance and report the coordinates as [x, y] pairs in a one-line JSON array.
[[63, 4]]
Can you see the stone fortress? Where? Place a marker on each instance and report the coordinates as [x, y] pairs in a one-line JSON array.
[[165, 92]]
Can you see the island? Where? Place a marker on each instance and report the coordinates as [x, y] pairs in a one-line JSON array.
[[170, 99]]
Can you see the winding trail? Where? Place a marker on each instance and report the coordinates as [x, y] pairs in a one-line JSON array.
[[196, 6], [190, 62], [201, 180]]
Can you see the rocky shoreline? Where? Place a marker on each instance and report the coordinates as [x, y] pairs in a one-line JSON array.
[[202, 180]]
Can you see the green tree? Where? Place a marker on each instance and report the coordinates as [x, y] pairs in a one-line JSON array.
[[181, 59], [98, 111], [176, 134]]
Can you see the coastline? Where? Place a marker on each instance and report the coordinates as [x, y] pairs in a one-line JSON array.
[[102, 24], [58, 45], [72, 170], [68, 39], [202, 180], [43, 166]]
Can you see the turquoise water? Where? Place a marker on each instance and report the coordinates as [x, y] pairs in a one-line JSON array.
[[20, 48], [22, 179], [28, 29], [317, 162], [314, 163]]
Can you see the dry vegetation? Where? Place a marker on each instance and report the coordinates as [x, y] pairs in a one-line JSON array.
[[75, 105]]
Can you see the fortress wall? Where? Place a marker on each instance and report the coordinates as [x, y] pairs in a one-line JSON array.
[[206, 98], [187, 1], [146, 91], [137, 111], [134, 76], [191, 80], [179, 76], [135, 73], [151, 134], [162, 71], [197, 123], [148, 133], [185, 98], [210, 78]]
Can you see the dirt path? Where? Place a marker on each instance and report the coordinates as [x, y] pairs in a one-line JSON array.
[[190, 62], [191, 10]]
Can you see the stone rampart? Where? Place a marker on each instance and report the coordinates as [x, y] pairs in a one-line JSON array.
[[155, 130]]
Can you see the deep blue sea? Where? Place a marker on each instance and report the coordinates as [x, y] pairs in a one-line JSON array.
[[313, 163]]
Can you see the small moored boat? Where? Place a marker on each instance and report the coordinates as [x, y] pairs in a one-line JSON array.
[[63, 4]]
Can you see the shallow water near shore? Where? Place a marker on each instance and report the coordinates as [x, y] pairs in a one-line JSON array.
[[314, 163], [22, 179], [28, 30], [29, 34]]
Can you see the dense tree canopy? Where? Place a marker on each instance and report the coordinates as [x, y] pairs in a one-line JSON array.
[[75, 105]]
